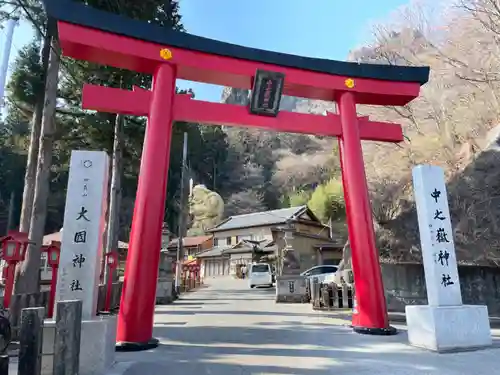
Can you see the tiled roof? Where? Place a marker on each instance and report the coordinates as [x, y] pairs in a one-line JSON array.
[[243, 246], [213, 252], [190, 241], [257, 219]]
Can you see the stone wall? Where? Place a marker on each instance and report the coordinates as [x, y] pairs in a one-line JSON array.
[[405, 285]]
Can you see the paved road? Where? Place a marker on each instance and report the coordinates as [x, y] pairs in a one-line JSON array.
[[228, 329]]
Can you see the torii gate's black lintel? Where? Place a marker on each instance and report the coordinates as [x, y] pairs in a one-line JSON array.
[[80, 14]]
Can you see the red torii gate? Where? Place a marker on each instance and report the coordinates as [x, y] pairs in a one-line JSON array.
[[100, 37]]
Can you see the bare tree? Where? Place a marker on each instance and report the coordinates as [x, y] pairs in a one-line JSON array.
[[444, 126], [244, 202], [295, 171]]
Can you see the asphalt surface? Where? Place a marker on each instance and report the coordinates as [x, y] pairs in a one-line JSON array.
[[227, 328]]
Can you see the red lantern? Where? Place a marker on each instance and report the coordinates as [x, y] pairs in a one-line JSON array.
[[112, 259], [112, 263], [23, 240], [14, 247], [12, 251], [54, 253]]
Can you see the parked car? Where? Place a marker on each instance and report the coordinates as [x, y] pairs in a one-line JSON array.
[[324, 273], [260, 274]]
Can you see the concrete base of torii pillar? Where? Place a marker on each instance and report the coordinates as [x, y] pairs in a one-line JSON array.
[[448, 328]]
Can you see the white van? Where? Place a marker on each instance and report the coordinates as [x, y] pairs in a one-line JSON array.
[[259, 274]]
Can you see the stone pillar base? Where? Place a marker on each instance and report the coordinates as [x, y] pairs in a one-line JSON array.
[[291, 289], [97, 345], [448, 328], [164, 292]]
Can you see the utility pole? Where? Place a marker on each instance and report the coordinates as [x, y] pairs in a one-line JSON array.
[[181, 220], [11, 25], [330, 221]]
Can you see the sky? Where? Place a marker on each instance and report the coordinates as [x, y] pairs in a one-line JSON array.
[[315, 28]]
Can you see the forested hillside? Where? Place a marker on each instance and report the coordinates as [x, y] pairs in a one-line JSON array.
[[258, 170], [453, 124]]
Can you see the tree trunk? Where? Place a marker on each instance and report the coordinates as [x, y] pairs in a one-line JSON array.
[[36, 124], [10, 215], [103, 272], [115, 190], [28, 278]]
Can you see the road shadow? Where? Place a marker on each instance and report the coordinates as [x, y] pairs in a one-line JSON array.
[[263, 290], [229, 299], [200, 367], [190, 302], [283, 342], [299, 348], [279, 334], [247, 312]]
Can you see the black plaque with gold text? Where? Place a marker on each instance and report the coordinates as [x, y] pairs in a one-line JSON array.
[[266, 93]]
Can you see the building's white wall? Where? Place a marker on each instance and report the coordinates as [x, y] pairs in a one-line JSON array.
[[214, 267], [231, 237]]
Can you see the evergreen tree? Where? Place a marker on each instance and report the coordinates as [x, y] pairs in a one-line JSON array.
[[74, 128]]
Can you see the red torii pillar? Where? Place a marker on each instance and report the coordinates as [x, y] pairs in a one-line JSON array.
[[135, 321], [369, 294]]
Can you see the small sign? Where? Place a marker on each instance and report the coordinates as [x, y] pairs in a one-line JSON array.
[[266, 93], [291, 287]]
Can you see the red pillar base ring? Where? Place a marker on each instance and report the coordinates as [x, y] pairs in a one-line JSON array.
[[376, 331], [136, 346]]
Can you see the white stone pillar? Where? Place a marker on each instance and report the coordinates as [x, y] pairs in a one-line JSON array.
[[436, 237], [81, 255], [445, 323], [84, 223]]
